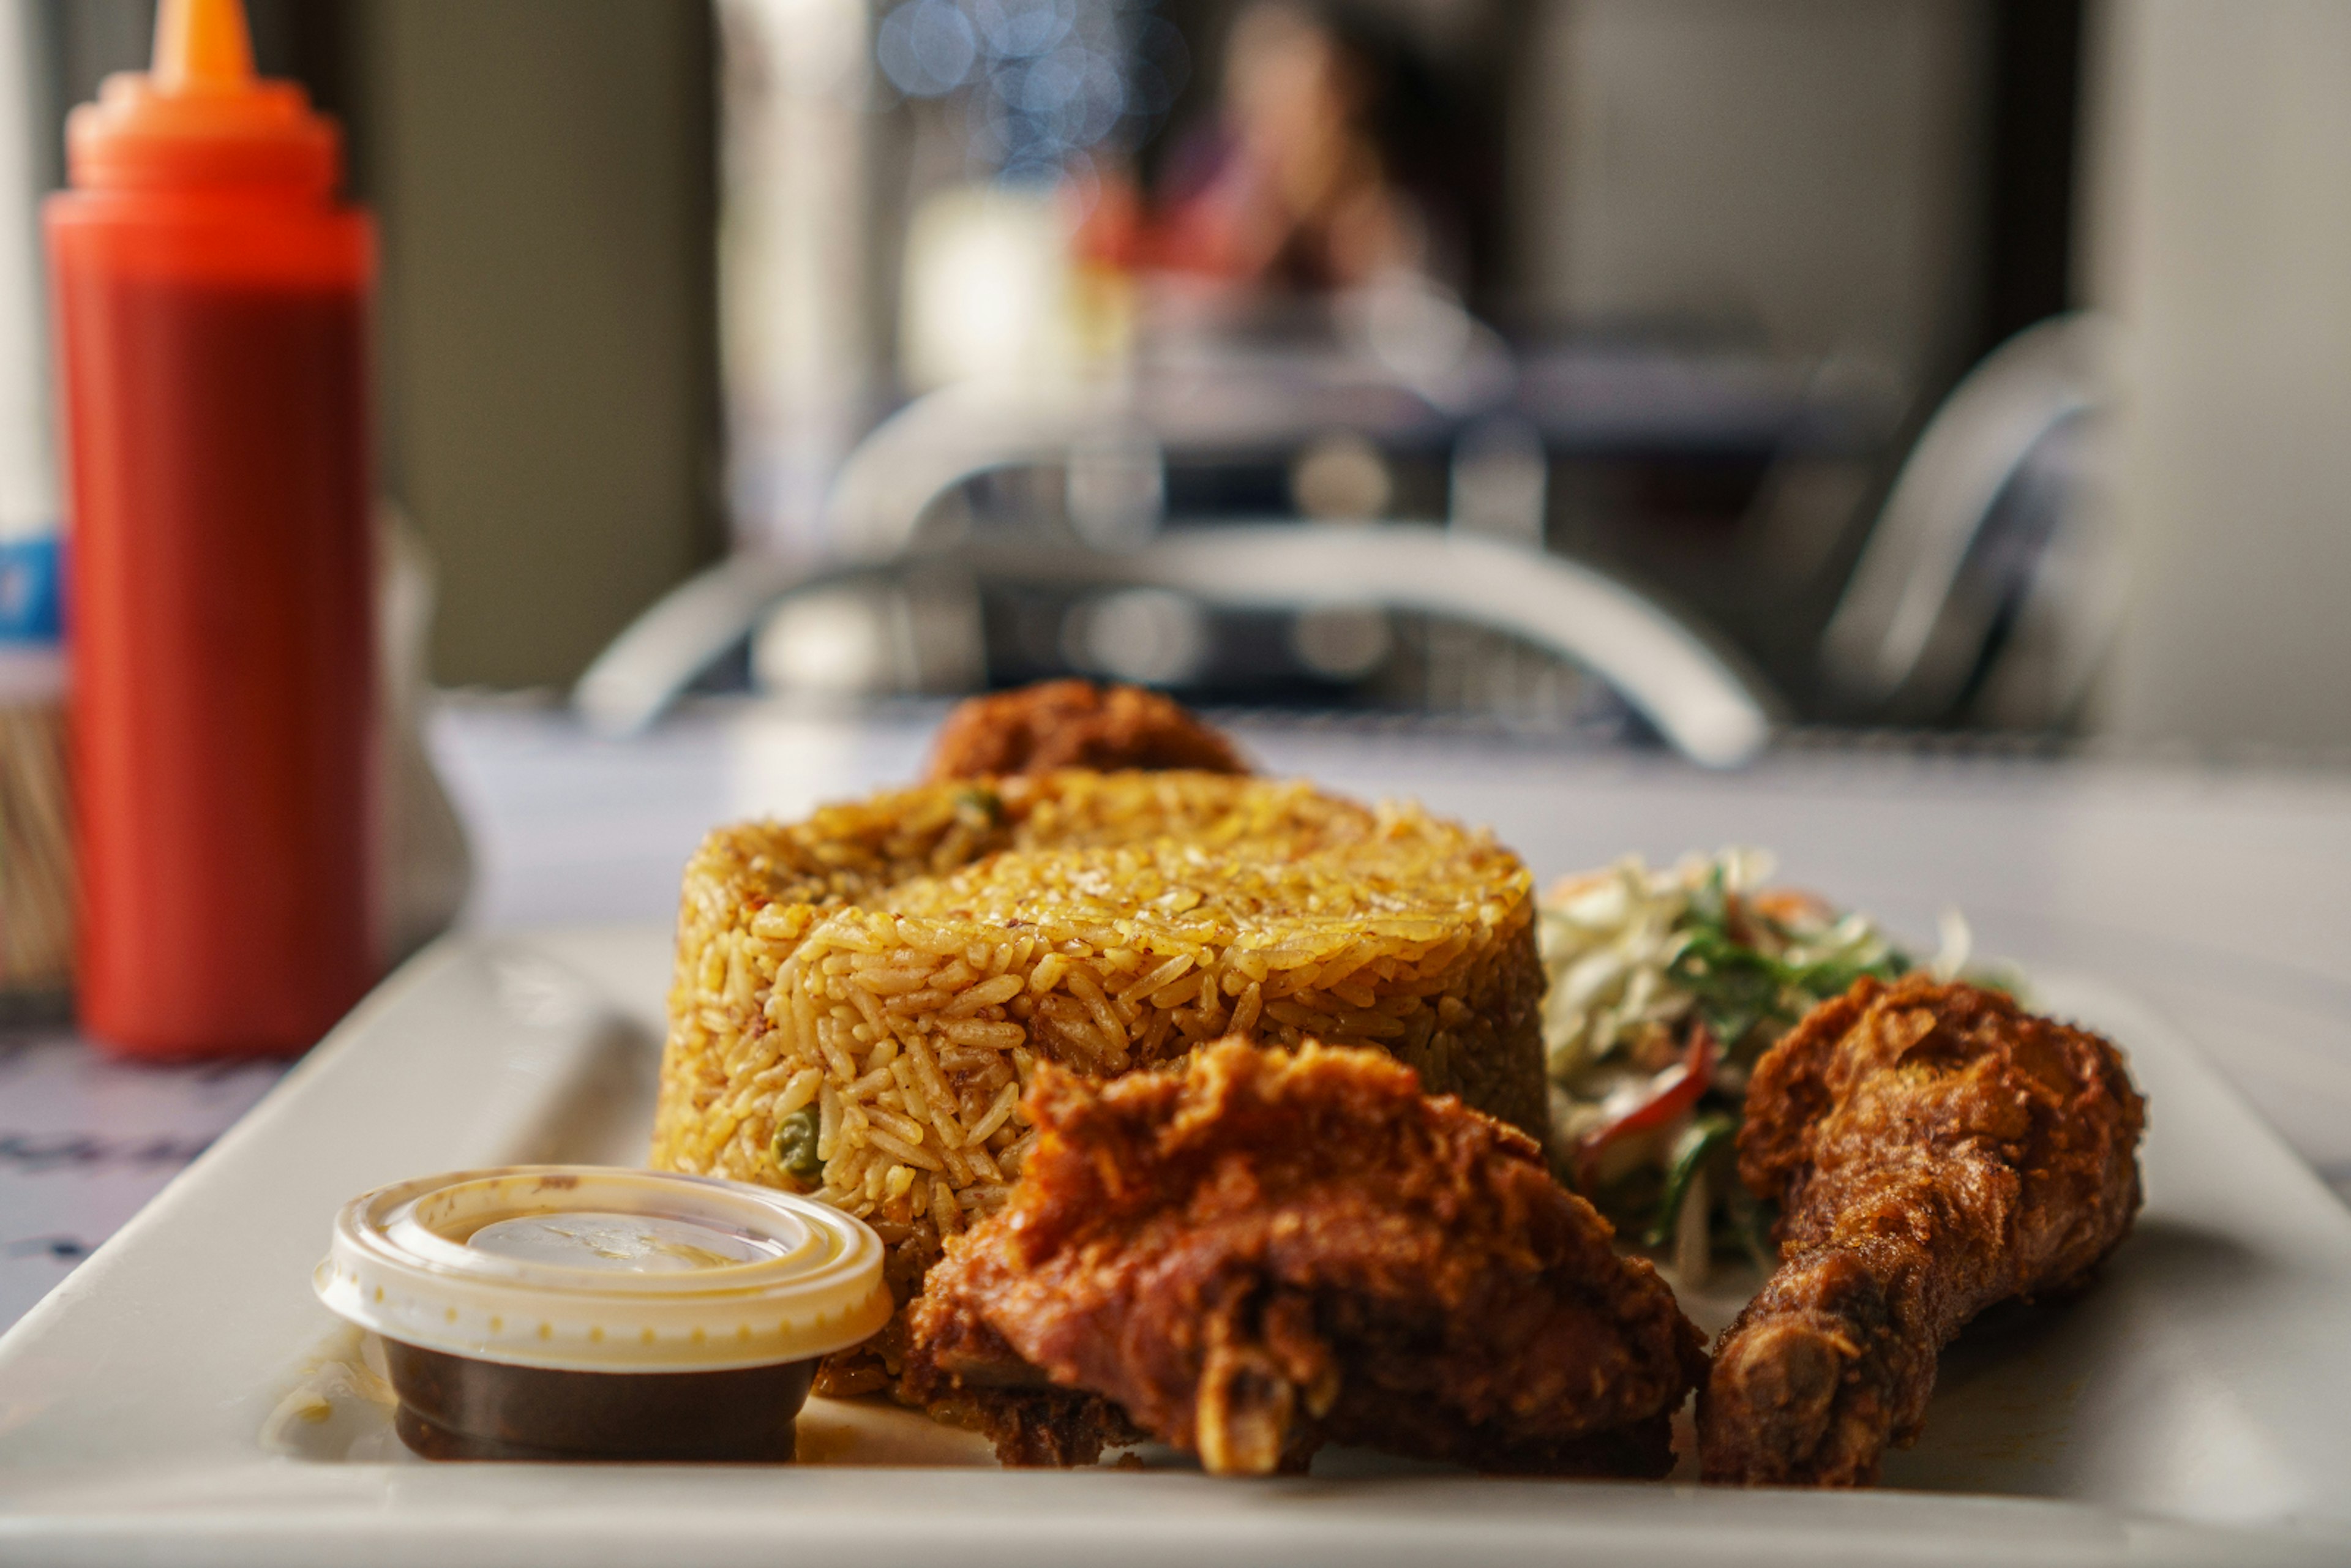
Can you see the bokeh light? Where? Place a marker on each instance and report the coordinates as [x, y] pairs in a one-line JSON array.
[[1048, 84]]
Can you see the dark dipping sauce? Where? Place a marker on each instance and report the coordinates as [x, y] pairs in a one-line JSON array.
[[461, 1408], [601, 1313]]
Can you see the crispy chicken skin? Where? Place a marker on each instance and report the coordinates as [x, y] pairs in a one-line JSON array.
[[1266, 1251], [1076, 724], [1934, 1150]]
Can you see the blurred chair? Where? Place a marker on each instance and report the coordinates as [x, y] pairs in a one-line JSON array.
[[1991, 582], [1690, 690], [1411, 378]]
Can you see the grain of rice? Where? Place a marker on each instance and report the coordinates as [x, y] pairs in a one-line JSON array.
[[903, 1127], [999, 1111], [868, 1005], [927, 1073], [944, 1208], [1246, 1012], [1153, 1038], [939, 944], [922, 1003], [1088, 989], [1176, 994], [835, 1056], [974, 1032], [989, 993], [909, 1089], [828, 1134], [950, 1155], [983, 1166], [1149, 986], [941, 1121], [797, 1091], [905, 1153], [891, 982]]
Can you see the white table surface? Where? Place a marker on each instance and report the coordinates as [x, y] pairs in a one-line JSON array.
[[2217, 894]]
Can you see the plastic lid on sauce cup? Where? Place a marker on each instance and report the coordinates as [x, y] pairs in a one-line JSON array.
[[598, 1269]]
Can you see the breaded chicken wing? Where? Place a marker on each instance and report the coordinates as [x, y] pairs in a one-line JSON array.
[[1935, 1150], [1076, 724], [1267, 1251]]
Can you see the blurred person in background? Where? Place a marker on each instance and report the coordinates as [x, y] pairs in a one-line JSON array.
[[1321, 166]]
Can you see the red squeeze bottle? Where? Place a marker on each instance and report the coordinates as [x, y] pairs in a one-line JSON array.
[[211, 313]]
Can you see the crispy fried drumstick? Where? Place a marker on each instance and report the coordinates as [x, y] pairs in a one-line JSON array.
[[1076, 724], [1935, 1150], [1268, 1252]]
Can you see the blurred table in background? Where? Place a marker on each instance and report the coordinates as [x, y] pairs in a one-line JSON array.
[[2213, 893]]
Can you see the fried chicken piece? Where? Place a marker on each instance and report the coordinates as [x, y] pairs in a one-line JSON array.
[[1076, 724], [1264, 1252], [1935, 1149]]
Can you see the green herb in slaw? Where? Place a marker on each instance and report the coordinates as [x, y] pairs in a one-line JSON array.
[[1658, 977]]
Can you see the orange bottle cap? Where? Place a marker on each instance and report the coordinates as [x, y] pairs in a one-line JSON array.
[[200, 117]]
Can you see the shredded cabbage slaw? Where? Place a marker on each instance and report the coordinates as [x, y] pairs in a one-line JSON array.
[[1666, 987]]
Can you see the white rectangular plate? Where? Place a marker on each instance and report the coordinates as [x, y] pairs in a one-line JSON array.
[[2190, 1408]]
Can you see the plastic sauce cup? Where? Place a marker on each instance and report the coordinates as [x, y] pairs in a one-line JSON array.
[[591, 1312]]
